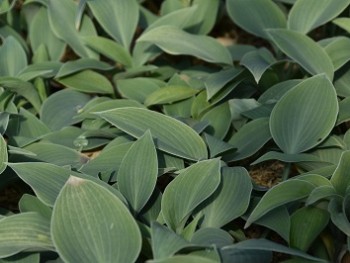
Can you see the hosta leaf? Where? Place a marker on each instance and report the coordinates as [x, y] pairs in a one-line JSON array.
[[52, 44], [190, 188], [165, 242], [283, 193], [297, 127], [59, 109], [230, 200], [306, 224], [231, 254], [3, 154], [216, 81], [249, 139], [338, 217], [40, 69], [22, 88], [57, 154], [338, 52], [306, 15], [267, 245], [135, 184], [25, 128], [343, 22], [255, 16], [107, 162], [218, 127], [170, 94], [109, 49], [118, 17], [340, 179], [276, 92], [319, 193], [65, 28], [47, 180], [182, 141], [130, 88], [177, 42], [289, 158], [312, 57], [13, 57], [257, 62], [217, 146], [90, 224], [26, 231], [212, 236], [30, 203], [277, 220], [88, 81], [81, 64]]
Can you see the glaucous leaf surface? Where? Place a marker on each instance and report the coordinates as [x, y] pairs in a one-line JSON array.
[[299, 121], [25, 231], [189, 189], [77, 231], [118, 17], [170, 135], [13, 57], [312, 57], [255, 16], [177, 42], [283, 193], [306, 15], [137, 184], [306, 224], [230, 200]]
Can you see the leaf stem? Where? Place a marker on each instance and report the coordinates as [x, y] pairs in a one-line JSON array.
[[286, 171]]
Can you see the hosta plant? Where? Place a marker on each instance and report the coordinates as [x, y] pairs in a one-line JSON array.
[[146, 131]]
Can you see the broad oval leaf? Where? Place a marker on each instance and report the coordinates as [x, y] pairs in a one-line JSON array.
[[88, 81], [47, 179], [118, 17], [135, 184], [230, 200], [299, 121], [306, 224], [306, 15], [184, 258], [182, 141], [59, 109], [90, 224], [13, 57], [40, 23], [312, 57], [255, 16], [283, 193], [177, 42], [62, 16], [170, 94], [25, 231], [190, 188], [249, 139]]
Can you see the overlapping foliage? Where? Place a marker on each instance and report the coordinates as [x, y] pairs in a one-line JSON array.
[[135, 125]]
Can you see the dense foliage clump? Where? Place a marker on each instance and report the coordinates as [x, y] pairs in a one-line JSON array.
[[174, 131]]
